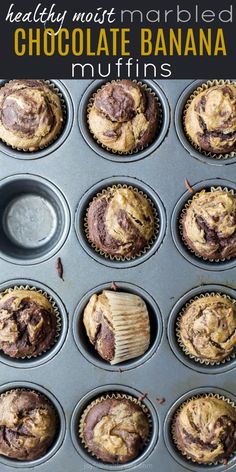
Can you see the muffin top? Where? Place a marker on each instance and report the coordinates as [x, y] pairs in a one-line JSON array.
[[115, 430], [205, 429], [27, 425], [27, 323], [207, 328], [124, 116], [120, 222], [209, 224], [210, 120], [117, 324], [30, 114]]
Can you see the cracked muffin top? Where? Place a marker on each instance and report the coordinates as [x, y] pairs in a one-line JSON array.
[[207, 328], [115, 430], [124, 116], [120, 222], [209, 224], [210, 120], [205, 429], [28, 323], [28, 424], [30, 114]]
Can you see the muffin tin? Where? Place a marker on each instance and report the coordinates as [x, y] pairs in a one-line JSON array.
[[60, 181]]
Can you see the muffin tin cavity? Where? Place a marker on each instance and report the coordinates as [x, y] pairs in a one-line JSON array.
[[80, 219], [100, 392], [34, 219], [67, 109], [198, 366], [203, 156], [13, 463], [88, 350], [173, 450], [176, 226], [101, 150]]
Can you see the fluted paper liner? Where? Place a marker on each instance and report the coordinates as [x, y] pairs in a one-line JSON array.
[[53, 86], [131, 326], [182, 214], [118, 396], [136, 150], [204, 395], [205, 86], [178, 336], [55, 310], [149, 244]]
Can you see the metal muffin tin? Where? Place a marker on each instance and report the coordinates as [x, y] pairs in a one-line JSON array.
[[65, 176]]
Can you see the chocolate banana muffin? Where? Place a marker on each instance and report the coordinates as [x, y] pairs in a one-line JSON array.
[[204, 429], [120, 222], [210, 120], [124, 116], [28, 424], [209, 224], [28, 324], [207, 328], [117, 324], [115, 430], [31, 115]]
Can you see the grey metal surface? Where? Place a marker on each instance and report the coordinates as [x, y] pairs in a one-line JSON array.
[[73, 168]]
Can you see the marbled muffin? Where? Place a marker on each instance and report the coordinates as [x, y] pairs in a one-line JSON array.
[[117, 324], [124, 116], [204, 429], [28, 424], [31, 115], [210, 120], [120, 222], [28, 323], [209, 224], [115, 430], [207, 328]]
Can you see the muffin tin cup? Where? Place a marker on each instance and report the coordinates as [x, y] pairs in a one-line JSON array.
[[97, 190], [193, 362], [137, 154], [88, 350], [34, 219], [185, 99], [176, 225], [92, 398], [62, 324], [67, 109], [14, 463], [179, 456]]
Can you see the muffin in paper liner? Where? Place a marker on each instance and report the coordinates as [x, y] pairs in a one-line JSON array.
[[201, 360], [155, 216], [115, 396], [25, 290], [122, 321], [61, 126], [199, 429], [201, 88], [182, 216], [38, 433], [147, 89]]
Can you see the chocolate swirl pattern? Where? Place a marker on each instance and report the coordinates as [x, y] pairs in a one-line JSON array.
[[28, 324], [28, 425], [124, 116], [210, 119], [31, 115], [204, 429], [207, 328], [120, 222], [115, 430], [209, 224]]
